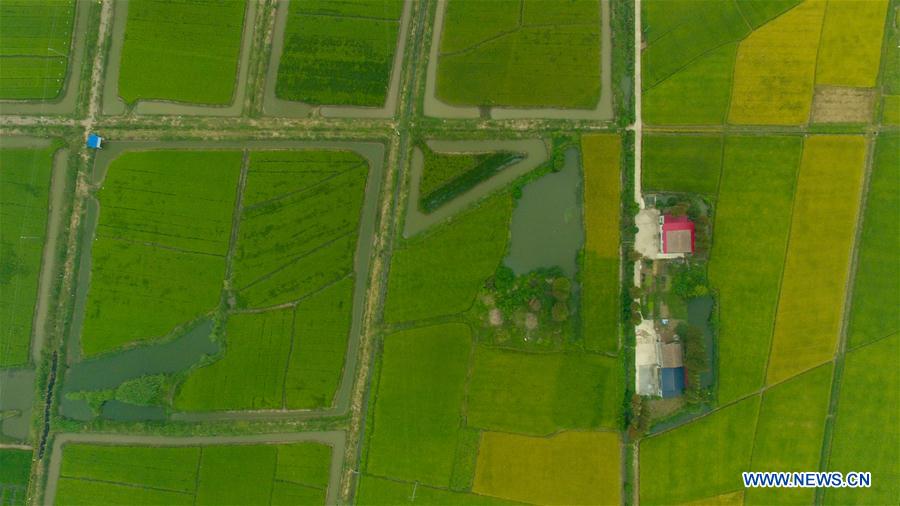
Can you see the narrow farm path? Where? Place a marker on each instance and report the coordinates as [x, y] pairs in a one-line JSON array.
[[78, 206], [638, 122]]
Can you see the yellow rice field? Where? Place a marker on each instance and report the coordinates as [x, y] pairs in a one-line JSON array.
[[807, 322], [601, 193], [850, 50], [568, 468], [776, 67], [729, 499]]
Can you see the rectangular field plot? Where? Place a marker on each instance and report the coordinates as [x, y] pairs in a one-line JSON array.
[[682, 163], [158, 257], [295, 473], [703, 458], [681, 31], [297, 237], [440, 271], [567, 468], [867, 425], [876, 293], [850, 51], [818, 255], [600, 268], [34, 47], [789, 434], [418, 404], [24, 189], [339, 53], [776, 69], [753, 218], [299, 224], [15, 468], [699, 93], [536, 53], [540, 393], [181, 51]]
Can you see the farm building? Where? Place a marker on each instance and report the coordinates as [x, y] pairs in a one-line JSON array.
[[94, 141], [671, 355], [671, 381], [676, 235]]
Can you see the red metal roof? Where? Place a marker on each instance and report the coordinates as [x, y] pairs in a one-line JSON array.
[[676, 224]]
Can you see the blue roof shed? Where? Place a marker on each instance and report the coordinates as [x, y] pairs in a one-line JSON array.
[[672, 380], [94, 141]]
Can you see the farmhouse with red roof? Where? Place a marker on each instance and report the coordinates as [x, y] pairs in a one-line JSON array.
[[676, 235]]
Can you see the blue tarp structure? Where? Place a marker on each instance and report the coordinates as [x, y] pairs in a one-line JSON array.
[[94, 141], [672, 380]]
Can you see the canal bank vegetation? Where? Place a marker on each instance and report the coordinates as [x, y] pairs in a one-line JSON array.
[[448, 175]]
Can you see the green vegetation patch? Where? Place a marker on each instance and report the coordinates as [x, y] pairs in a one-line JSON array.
[[222, 474], [698, 94], [24, 189], [701, 459], [299, 224], [680, 31], [339, 52], [448, 175], [35, 46], [281, 359], [682, 163], [600, 283], [240, 474], [867, 426], [536, 53], [540, 393], [876, 294], [181, 50], [15, 468], [753, 217], [375, 490], [440, 271], [418, 404], [531, 310], [251, 373], [789, 434], [158, 257]]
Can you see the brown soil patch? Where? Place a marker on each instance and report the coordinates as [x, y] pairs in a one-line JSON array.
[[832, 104]]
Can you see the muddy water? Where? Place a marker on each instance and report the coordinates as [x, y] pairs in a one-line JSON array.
[[17, 395], [69, 96], [603, 111], [274, 106], [337, 440], [17, 385], [536, 153], [374, 152], [546, 224], [110, 371], [113, 105], [48, 264]]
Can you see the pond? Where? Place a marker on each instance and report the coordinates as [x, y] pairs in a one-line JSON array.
[[546, 228], [110, 371]]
